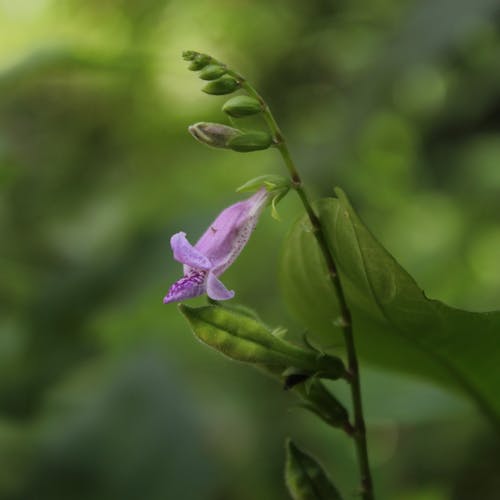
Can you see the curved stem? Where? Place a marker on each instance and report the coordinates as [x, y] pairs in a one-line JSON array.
[[359, 428]]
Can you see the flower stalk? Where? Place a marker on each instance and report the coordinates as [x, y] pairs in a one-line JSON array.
[[358, 431], [229, 82]]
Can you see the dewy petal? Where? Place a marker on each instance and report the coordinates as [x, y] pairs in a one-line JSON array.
[[189, 286], [186, 254], [216, 290]]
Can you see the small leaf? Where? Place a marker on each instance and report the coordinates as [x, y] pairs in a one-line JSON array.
[[305, 478], [323, 403], [274, 212], [242, 338], [270, 181]]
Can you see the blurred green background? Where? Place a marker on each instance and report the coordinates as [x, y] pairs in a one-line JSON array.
[[104, 393]]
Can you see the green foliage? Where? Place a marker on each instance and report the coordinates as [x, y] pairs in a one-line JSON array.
[[323, 403], [396, 325], [305, 478], [243, 338]]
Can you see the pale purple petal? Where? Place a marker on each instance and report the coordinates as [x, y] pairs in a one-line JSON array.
[[187, 287], [185, 253], [215, 251], [216, 290], [229, 233]]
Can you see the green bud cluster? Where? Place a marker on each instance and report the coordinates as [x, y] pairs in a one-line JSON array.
[[221, 81], [211, 70], [197, 61]]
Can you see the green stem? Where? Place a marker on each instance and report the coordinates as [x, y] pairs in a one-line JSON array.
[[359, 428]]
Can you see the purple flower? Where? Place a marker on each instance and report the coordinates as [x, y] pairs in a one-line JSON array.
[[215, 251]]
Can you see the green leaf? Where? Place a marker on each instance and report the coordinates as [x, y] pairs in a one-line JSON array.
[[395, 325], [243, 338], [323, 403], [305, 478]]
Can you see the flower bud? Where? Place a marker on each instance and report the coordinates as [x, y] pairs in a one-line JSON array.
[[250, 141], [199, 62], [189, 55], [212, 72], [242, 105], [215, 135], [224, 85]]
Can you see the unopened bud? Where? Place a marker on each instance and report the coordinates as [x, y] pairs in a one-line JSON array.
[[215, 135], [250, 141], [224, 85], [212, 72], [242, 105], [199, 61], [189, 55]]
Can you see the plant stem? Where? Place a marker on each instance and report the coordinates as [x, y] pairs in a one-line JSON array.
[[359, 428]]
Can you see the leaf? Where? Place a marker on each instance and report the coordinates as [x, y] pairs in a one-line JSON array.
[[395, 325], [323, 403], [242, 338], [305, 478]]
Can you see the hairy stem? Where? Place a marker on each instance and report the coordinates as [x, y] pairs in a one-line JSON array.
[[359, 429]]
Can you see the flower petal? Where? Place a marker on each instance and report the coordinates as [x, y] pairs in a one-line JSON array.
[[216, 290], [185, 253], [228, 234], [187, 287]]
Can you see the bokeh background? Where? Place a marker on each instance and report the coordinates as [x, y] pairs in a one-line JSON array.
[[104, 392]]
